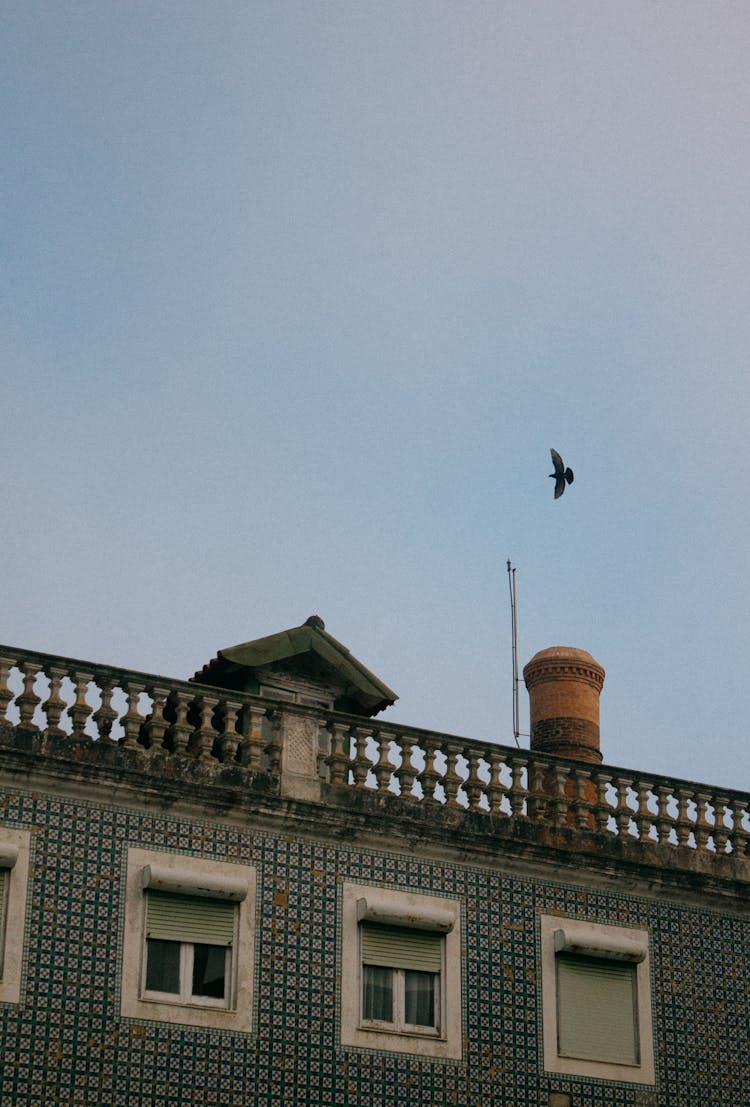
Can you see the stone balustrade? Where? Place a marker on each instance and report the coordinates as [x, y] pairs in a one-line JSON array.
[[326, 757], [504, 781], [65, 699]]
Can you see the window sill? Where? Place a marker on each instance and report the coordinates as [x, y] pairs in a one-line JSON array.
[[402, 1032], [188, 1004]]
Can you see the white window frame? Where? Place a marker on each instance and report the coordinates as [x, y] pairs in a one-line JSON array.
[[15, 855], [211, 879], [583, 939], [185, 995], [398, 1023], [367, 903]]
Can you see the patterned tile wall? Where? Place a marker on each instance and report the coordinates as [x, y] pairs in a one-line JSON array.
[[68, 1045]]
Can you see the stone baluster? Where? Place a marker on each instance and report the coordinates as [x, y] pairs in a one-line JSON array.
[[452, 781], [536, 803], [721, 828], [54, 705], [6, 696], [406, 773], [701, 828], [362, 764], [132, 720], [253, 742], [229, 739], [495, 789], [644, 817], [275, 747], [384, 767], [623, 811], [79, 710], [474, 786], [429, 776], [181, 729], [338, 759], [738, 836], [28, 700], [156, 726], [602, 808], [202, 742], [560, 799], [582, 805], [105, 715], [517, 793], [683, 824], [663, 822]]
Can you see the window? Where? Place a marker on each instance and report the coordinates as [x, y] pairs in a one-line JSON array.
[[596, 1010], [188, 942], [401, 972], [15, 849], [596, 998]]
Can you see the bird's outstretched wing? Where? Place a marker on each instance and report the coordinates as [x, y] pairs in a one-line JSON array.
[[561, 474]]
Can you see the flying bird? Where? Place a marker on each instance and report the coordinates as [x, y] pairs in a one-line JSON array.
[[561, 474]]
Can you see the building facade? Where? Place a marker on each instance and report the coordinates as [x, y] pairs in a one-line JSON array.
[[244, 889]]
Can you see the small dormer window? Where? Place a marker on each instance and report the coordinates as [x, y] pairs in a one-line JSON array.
[[289, 695]]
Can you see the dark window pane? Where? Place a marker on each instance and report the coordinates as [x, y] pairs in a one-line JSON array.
[[162, 966], [209, 971], [377, 1000], [420, 998]]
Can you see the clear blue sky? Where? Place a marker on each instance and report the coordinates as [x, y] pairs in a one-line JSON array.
[[295, 298]]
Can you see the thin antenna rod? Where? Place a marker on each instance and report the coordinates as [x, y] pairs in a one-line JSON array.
[[514, 632]]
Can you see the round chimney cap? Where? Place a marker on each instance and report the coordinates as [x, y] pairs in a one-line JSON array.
[[563, 661]]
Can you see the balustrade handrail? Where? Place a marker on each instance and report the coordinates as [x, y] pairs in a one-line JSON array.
[[446, 737], [114, 672]]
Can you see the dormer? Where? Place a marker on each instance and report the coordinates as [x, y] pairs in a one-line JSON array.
[[304, 665]]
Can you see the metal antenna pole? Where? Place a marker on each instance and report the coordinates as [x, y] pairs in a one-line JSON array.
[[514, 632]]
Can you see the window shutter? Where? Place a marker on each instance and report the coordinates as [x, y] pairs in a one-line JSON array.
[[175, 918], [401, 947], [596, 1010]]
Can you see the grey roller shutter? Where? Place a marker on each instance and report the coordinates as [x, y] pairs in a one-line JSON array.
[[401, 947], [175, 918], [596, 1010]]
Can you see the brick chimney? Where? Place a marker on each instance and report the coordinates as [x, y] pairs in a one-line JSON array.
[[564, 686]]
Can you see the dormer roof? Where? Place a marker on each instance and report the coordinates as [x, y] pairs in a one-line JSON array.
[[309, 654]]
